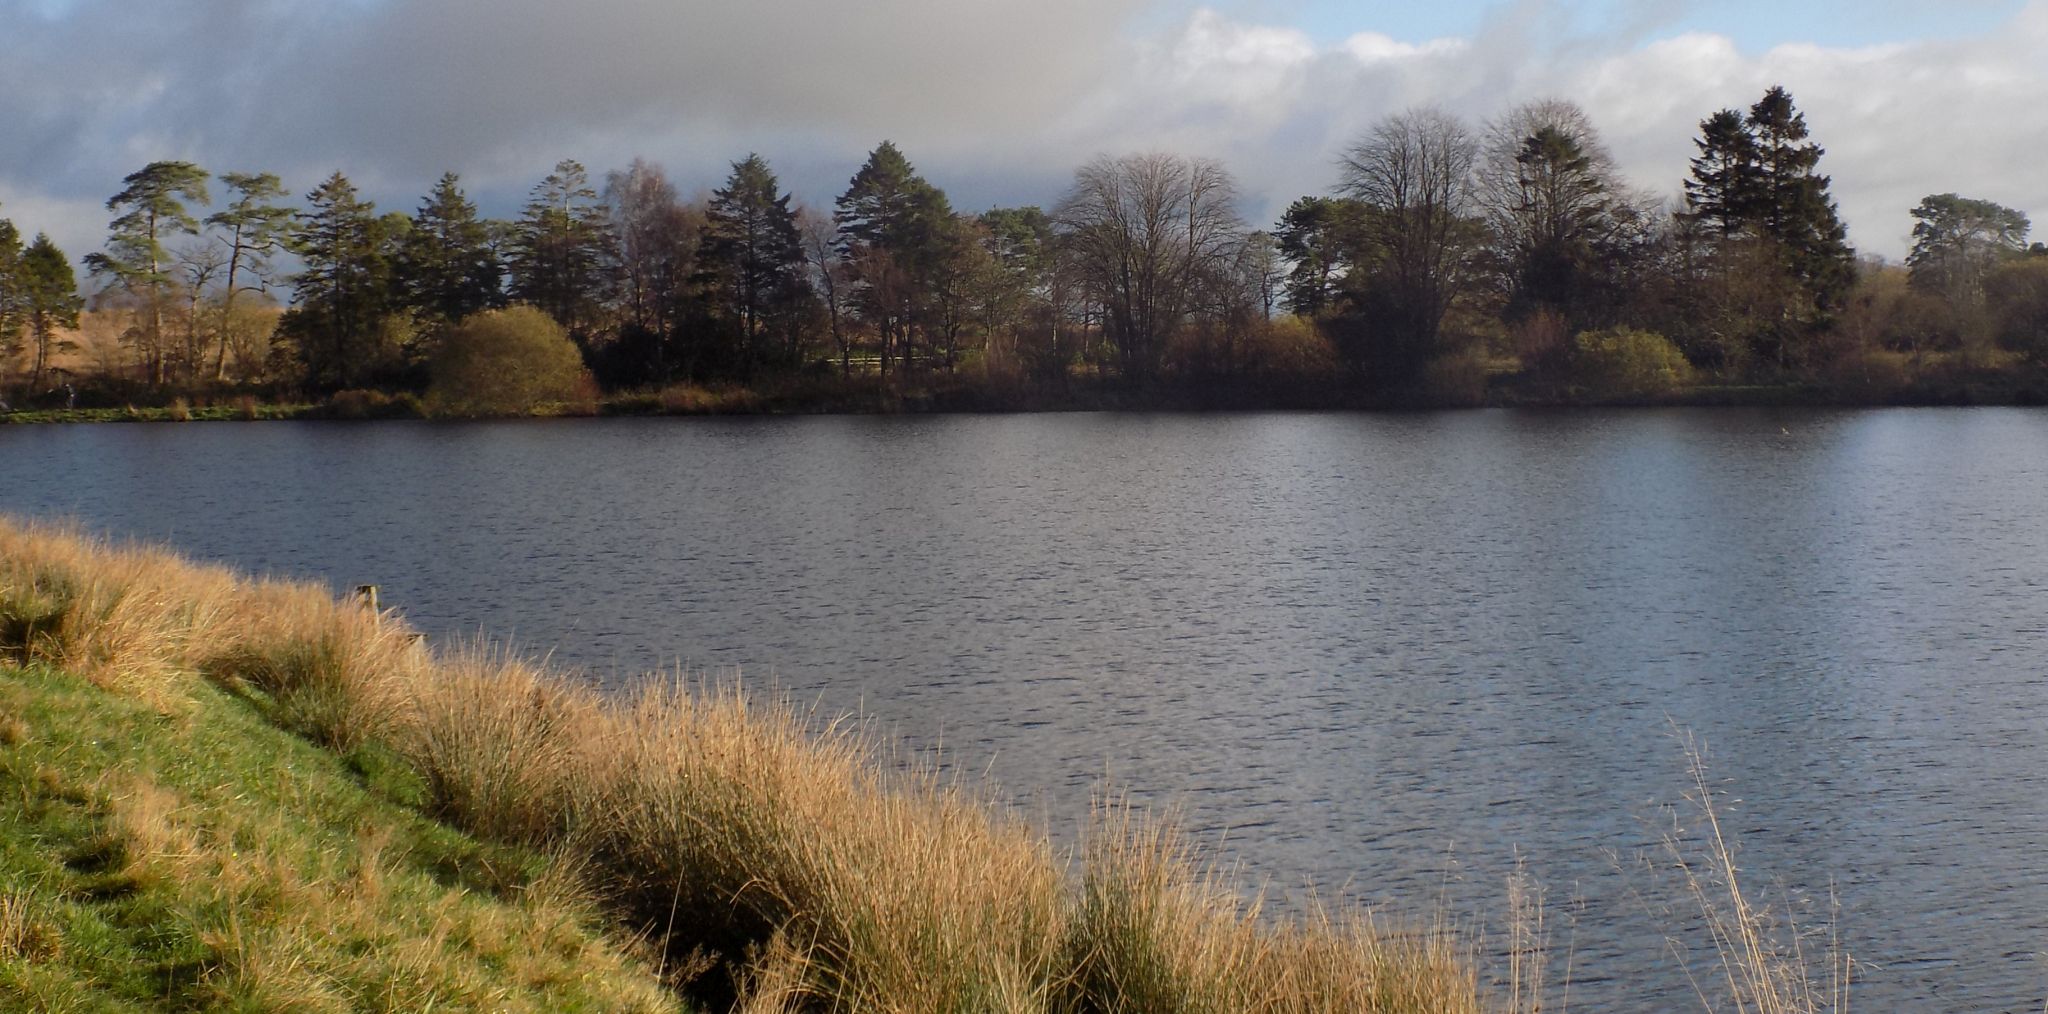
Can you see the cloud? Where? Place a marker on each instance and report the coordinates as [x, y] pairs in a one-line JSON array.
[[1899, 121], [996, 100], [395, 91]]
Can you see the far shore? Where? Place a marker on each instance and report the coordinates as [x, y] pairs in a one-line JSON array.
[[866, 396]]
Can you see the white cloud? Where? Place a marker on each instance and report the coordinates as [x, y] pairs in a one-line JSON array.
[[1899, 121]]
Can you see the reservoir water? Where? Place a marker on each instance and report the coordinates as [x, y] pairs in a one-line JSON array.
[[1393, 656]]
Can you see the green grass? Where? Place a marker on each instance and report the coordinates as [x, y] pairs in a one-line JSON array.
[[209, 413], [204, 859], [231, 794]]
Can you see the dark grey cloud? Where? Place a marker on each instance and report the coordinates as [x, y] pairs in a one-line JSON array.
[[396, 91]]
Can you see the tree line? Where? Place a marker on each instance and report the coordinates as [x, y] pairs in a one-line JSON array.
[[1449, 259]]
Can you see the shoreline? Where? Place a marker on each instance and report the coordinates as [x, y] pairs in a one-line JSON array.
[[960, 399], [770, 850], [766, 856]]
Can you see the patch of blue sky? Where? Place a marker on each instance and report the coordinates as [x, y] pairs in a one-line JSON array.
[[1754, 25]]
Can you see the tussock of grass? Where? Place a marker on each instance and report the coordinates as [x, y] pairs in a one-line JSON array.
[[771, 861], [1160, 931], [1765, 959], [161, 836]]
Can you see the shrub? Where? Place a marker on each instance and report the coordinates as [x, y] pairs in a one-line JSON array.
[[1292, 347], [1872, 374], [361, 404], [1541, 339], [505, 362], [2017, 294], [1457, 380], [1625, 363]]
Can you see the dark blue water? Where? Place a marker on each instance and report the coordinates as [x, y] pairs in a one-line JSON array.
[[1389, 655]]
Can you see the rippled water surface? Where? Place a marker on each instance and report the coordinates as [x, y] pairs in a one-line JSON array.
[[1387, 654]]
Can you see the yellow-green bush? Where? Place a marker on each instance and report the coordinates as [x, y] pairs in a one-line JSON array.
[[1623, 362], [1292, 346], [505, 362]]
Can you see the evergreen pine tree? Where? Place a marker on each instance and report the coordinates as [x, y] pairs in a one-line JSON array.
[[48, 301], [254, 228], [559, 247], [894, 230], [345, 289], [1795, 209], [447, 262], [152, 209], [1722, 194], [751, 257], [11, 338], [1322, 238], [1755, 186]]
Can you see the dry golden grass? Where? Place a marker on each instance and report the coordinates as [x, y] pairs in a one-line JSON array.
[[744, 837], [1158, 930], [23, 932], [764, 856], [1767, 961]]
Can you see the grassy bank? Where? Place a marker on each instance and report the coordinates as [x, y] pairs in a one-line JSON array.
[[219, 792], [198, 857]]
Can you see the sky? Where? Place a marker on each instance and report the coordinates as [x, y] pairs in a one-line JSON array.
[[996, 101]]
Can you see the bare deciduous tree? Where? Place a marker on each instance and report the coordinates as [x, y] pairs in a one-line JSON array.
[[1415, 172], [827, 263], [655, 239], [1143, 229]]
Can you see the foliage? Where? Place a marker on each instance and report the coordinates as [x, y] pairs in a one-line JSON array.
[[1621, 363], [1563, 222], [1755, 189], [1291, 347], [48, 300], [2017, 296], [135, 262], [356, 403], [1436, 240], [655, 242], [448, 265], [1958, 242], [1456, 380], [558, 249], [343, 321], [1324, 239], [254, 229], [505, 362], [751, 261], [896, 230], [11, 337]]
